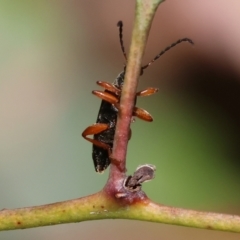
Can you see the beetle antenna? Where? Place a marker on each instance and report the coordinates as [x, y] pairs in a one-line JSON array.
[[120, 25], [166, 49]]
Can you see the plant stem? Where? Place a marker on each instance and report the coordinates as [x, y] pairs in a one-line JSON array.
[[144, 14], [102, 206]]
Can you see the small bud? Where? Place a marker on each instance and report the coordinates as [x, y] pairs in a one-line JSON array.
[[142, 174]]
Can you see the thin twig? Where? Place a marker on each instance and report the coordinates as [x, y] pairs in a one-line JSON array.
[[145, 11]]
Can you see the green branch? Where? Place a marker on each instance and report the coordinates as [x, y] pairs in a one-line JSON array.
[[101, 206]]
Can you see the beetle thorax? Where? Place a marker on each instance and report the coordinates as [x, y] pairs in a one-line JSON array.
[[119, 80]]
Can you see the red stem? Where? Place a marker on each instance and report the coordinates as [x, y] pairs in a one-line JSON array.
[[139, 38]]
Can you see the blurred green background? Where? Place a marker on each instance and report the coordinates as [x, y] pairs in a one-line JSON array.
[[52, 54]]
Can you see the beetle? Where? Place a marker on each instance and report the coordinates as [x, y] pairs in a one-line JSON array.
[[103, 130]]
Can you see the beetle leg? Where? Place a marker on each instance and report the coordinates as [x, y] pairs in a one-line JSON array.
[[110, 87], [114, 161], [108, 97], [142, 114], [147, 92], [95, 129]]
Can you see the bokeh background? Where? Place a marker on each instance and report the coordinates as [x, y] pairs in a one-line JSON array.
[[52, 54]]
